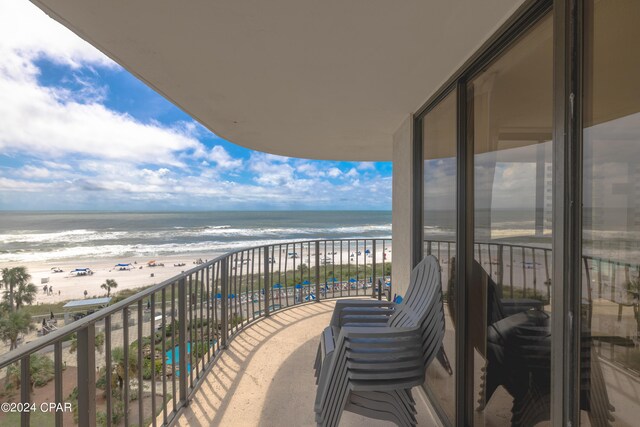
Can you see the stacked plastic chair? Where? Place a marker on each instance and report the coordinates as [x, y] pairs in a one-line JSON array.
[[369, 367]]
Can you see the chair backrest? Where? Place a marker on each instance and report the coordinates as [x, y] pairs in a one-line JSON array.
[[422, 307]]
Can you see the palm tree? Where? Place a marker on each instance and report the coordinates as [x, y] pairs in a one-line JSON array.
[[13, 278], [14, 324], [119, 366], [108, 285], [25, 293]]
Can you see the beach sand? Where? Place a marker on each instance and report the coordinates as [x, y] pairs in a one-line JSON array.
[[69, 287]]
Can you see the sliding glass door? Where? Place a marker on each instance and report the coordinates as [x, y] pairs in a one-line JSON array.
[[439, 223], [510, 124], [610, 344]]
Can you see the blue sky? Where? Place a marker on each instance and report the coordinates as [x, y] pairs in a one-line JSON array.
[[79, 132]]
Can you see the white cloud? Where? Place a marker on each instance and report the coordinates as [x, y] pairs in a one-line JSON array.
[[56, 123], [75, 147], [363, 166], [271, 170], [222, 158], [34, 172], [334, 172], [26, 29]]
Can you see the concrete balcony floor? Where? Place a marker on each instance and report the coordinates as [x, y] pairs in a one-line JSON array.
[[265, 378]]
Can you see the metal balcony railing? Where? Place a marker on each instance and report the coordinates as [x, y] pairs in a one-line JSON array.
[[140, 360]]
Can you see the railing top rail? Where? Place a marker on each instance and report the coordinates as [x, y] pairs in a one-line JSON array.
[[55, 336]]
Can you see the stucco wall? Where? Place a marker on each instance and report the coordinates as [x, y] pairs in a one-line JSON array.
[[402, 215]]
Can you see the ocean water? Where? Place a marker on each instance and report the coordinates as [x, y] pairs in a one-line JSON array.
[[43, 236]]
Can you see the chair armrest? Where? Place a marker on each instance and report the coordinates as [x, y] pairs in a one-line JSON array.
[[356, 332], [346, 308]]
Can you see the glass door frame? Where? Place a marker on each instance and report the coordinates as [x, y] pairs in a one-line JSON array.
[[566, 196]]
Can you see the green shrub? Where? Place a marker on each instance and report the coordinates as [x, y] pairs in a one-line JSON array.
[[146, 370]]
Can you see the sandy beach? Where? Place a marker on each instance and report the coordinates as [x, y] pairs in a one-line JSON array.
[[68, 287]]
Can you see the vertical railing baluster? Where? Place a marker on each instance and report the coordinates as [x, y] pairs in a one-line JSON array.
[[262, 261], [200, 360], [599, 264], [490, 260], [317, 269], [253, 262], [266, 284], [547, 281], [25, 390], [224, 284], [500, 267], [374, 282], [57, 360], [86, 339], [107, 356], [140, 365], [535, 267], [182, 341], [524, 274], [164, 356], [191, 344], [612, 269], [125, 343], [153, 359], [175, 328], [209, 338], [215, 288], [511, 270]]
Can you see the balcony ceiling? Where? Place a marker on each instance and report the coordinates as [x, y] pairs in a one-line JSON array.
[[313, 79]]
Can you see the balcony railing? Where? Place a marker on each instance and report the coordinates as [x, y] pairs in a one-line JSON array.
[[140, 360], [524, 271]]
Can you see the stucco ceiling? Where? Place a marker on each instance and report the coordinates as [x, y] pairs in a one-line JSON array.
[[328, 79]]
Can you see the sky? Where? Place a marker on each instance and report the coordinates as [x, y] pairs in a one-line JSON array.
[[78, 132]]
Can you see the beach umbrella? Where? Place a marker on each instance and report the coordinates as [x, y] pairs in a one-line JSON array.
[[352, 280], [277, 286], [367, 251], [218, 295], [298, 286], [232, 295], [306, 282], [311, 297]]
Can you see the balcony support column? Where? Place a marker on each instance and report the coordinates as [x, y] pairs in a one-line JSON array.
[[405, 211]]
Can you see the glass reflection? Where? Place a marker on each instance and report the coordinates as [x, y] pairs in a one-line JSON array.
[[510, 123], [610, 349], [439, 149]]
